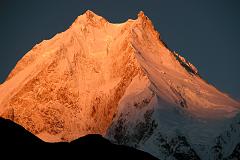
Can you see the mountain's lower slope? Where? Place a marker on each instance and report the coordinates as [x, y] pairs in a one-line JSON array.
[[120, 81], [14, 134], [87, 147]]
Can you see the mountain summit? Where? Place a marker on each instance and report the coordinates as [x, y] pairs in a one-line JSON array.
[[120, 81]]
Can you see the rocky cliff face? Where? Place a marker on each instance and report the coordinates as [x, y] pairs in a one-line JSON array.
[[121, 81]]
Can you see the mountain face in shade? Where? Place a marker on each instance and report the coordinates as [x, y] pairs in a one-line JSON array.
[[120, 81]]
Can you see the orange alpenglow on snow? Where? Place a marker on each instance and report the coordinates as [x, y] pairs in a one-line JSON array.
[[118, 80]]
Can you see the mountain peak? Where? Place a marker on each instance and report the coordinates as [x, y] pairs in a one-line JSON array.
[[118, 80], [89, 17], [143, 18], [90, 14], [141, 14]]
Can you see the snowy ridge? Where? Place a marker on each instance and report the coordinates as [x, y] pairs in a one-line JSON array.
[[121, 81], [186, 64]]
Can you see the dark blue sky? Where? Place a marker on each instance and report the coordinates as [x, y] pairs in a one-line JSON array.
[[205, 32]]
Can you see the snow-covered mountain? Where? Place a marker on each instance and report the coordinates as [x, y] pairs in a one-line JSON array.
[[121, 81]]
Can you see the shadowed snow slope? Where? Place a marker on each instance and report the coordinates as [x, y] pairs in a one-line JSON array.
[[120, 81]]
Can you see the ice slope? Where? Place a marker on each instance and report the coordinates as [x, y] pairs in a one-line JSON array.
[[121, 81]]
